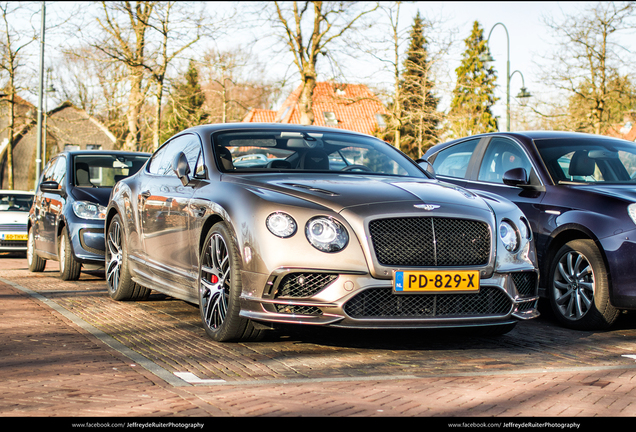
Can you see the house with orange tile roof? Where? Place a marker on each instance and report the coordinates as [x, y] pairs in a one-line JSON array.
[[345, 106]]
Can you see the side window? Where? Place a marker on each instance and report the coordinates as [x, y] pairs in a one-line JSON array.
[[161, 162], [192, 150], [155, 161], [453, 161], [502, 155], [59, 173], [48, 170]]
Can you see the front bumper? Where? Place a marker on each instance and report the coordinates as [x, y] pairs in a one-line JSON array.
[[306, 296], [620, 252], [88, 242]]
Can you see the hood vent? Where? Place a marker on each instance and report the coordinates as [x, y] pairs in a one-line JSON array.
[[312, 189]]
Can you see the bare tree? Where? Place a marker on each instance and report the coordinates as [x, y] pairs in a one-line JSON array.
[[590, 57], [12, 45], [177, 24], [310, 29], [233, 84]]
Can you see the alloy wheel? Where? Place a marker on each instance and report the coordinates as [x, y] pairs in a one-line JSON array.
[[573, 285], [215, 281], [113, 268]]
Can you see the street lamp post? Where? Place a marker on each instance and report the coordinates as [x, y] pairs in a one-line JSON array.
[[486, 57], [38, 151]]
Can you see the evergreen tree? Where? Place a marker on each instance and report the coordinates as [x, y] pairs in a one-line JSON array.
[[473, 96], [185, 105], [419, 116]]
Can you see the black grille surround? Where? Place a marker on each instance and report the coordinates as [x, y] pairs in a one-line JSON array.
[[383, 303], [430, 242]]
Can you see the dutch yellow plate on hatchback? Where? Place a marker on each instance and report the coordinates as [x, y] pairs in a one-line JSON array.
[[14, 236], [457, 282]]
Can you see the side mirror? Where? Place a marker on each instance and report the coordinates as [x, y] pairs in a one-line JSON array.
[[51, 186], [427, 166], [516, 177], [181, 168]]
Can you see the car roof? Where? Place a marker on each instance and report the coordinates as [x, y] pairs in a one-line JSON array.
[[104, 152], [209, 128], [532, 135]]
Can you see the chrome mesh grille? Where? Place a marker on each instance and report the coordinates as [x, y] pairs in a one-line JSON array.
[[298, 310], [428, 241], [526, 283], [304, 284], [382, 303]]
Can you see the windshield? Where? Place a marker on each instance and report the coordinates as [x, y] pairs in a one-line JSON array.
[[14, 202], [105, 170], [589, 160], [295, 152]]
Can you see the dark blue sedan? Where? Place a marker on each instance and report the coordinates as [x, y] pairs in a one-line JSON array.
[[579, 193], [66, 221]]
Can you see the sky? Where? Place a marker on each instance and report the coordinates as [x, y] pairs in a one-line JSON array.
[[529, 37]]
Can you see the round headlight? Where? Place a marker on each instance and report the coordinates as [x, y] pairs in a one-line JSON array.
[[508, 235], [281, 224], [326, 234], [89, 210]]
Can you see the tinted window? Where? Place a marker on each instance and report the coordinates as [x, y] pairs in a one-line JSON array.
[[92, 170], [589, 160], [502, 155], [15, 202], [453, 161], [298, 152]]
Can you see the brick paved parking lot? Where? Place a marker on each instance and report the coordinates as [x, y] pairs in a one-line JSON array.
[[67, 350]]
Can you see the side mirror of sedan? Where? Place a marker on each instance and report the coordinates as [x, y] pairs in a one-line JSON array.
[[51, 186], [516, 177], [181, 168], [427, 166]]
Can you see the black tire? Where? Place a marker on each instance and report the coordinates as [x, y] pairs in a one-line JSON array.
[[220, 288], [579, 287], [36, 263], [119, 280], [69, 268]]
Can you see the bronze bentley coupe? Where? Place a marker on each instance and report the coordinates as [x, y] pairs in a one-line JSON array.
[[261, 224]]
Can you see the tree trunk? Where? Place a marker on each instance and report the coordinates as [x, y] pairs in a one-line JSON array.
[[133, 114], [305, 101]]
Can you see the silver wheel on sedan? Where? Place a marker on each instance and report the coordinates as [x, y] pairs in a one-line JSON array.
[[579, 287]]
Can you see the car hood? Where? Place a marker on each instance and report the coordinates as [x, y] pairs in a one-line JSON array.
[[95, 195], [14, 217], [338, 192], [625, 192]]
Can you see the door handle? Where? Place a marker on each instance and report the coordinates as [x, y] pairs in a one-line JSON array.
[[145, 194]]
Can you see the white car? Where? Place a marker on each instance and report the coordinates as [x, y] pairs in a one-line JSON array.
[[14, 213]]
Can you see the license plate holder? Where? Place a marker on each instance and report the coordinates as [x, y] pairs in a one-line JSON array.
[[434, 281]]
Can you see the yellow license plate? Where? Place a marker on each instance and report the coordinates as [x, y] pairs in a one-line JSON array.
[[435, 282], [14, 236]]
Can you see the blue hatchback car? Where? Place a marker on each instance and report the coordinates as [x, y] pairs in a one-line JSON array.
[[66, 221]]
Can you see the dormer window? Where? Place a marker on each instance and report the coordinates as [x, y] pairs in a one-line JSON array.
[[330, 118], [381, 121]]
